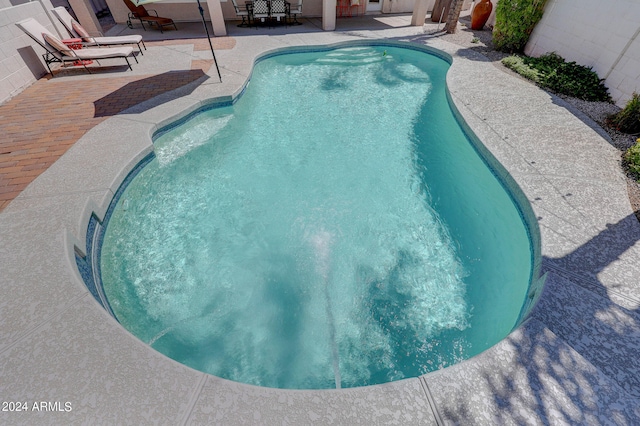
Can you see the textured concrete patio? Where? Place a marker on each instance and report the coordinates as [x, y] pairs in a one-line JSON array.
[[574, 362]]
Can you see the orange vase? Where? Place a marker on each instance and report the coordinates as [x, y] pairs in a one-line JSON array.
[[480, 14]]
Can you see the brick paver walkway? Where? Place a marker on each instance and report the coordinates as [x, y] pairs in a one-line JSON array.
[[46, 119]]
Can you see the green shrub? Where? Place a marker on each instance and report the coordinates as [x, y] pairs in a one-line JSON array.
[[554, 73], [628, 120], [632, 160], [569, 78], [515, 20], [517, 64]]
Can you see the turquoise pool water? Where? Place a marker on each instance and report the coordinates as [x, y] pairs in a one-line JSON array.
[[333, 228]]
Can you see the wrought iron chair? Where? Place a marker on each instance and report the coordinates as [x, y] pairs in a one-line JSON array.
[[242, 12], [278, 10], [258, 11], [295, 10]]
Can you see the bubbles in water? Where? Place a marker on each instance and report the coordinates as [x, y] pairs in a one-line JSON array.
[[321, 243], [199, 133]]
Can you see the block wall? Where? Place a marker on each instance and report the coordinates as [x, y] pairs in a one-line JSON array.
[[21, 63], [602, 34]]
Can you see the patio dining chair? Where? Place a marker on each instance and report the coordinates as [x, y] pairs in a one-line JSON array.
[[77, 31], [295, 10], [57, 51], [241, 12], [140, 13], [259, 11], [278, 10]]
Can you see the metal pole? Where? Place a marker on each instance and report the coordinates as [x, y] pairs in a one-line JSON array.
[[209, 38], [439, 22]]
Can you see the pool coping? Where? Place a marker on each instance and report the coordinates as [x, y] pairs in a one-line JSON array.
[[60, 345]]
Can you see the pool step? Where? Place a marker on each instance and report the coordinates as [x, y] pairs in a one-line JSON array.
[[354, 57]]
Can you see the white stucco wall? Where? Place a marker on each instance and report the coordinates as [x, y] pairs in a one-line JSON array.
[[20, 61], [602, 34]]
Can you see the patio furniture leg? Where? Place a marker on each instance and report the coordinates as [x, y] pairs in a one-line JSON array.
[[84, 65], [46, 61]]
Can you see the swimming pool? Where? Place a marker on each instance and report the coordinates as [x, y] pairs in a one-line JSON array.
[[371, 249]]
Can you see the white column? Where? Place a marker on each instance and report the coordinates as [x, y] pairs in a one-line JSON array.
[[420, 9], [217, 19], [328, 15]]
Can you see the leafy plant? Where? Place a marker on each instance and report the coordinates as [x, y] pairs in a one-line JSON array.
[[632, 160], [515, 20], [554, 73], [517, 64], [628, 120]]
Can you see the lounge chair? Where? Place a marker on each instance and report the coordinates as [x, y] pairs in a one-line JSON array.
[[140, 13], [77, 31], [57, 51]]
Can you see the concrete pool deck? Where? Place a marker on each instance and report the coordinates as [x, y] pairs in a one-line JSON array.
[[575, 361]]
